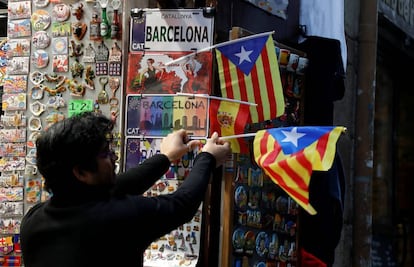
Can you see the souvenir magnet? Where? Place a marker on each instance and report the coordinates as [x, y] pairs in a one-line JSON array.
[[103, 97], [240, 197], [89, 55], [41, 39], [18, 48], [36, 77], [18, 65], [53, 117], [79, 30], [262, 244], [56, 102], [40, 20], [40, 59], [34, 135], [61, 29], [293, 62], [60, 63], [61, 12], [101, 68], [115, 60], [238, 240], [89, 76], [37, 108], [60, 45], [41, 3], [76, 88], [102, 53], [15, 84], [14, 101], [35, 124], [19, 10], [249, 244], [24, 26], [77, 11], [76, 69], [76, 49]]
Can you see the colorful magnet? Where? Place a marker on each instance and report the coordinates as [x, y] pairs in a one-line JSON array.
[[238, 240], [240, 197], [60, 45], [61, 12], [79, 30], [41, 3], [40, 20], [40, 59], [40, 39], [37, 108], [36, 77], [249, 244], [262, 244]]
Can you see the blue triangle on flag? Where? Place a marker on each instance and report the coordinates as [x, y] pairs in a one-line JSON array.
[[305, 137], [244, 53]]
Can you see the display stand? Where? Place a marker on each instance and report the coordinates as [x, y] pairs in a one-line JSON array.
[[263, 240]]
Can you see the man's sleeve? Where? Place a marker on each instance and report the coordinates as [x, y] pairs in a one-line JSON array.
[[139, 179]]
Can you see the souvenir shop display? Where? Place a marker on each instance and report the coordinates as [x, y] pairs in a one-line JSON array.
[[68, 57]]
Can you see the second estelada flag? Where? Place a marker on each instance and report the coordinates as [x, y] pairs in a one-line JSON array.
[[288, 155], [249, 71]]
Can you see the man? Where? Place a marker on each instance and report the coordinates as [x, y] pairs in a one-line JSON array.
[[97, 219]]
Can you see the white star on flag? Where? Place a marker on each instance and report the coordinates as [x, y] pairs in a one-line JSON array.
[[243, 55], [292, 136]]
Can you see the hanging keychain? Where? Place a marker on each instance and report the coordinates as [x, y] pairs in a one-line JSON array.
[[114, 101], [103, 97], [115, 26], [105, 29]]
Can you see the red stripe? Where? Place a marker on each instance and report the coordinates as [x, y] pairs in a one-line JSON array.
[[279, 180], [304, 161], [227, 77], [241, 119], [270, 87], [322, 144], [271, 158], [242, 84], [262, 146], [214, 124], [257, 93], [297, 179]]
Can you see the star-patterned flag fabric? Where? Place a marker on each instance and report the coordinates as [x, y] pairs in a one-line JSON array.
[[229, 118], [249, 71], [289, 154]]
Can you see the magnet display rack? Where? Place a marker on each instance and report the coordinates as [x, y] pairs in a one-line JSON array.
[[261, 222], [57, 66]]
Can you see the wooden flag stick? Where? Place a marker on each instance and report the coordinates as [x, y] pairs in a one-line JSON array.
[[237, 136]]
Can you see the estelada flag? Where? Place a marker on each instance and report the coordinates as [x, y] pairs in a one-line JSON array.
[[249, 71], [288, 155], [229, 118]]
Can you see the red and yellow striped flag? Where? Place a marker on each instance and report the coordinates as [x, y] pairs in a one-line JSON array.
[[289, 154], [249, 71], [229, 118]]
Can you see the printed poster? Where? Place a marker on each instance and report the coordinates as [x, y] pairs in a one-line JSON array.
[[159, 115], [183, 242], [171, 30], [169, 73]]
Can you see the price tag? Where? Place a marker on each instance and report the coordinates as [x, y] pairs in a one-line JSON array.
[[77, 106]]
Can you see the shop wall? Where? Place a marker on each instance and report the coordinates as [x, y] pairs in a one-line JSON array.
[[231, 13]]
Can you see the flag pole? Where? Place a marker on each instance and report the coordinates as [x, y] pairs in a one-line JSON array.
[[219, 45], [237, 136], [218, 98]]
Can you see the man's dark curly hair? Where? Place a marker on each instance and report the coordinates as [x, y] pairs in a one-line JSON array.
[[74, 141]]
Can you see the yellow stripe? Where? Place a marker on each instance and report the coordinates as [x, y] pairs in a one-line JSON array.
[[277, 83]]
